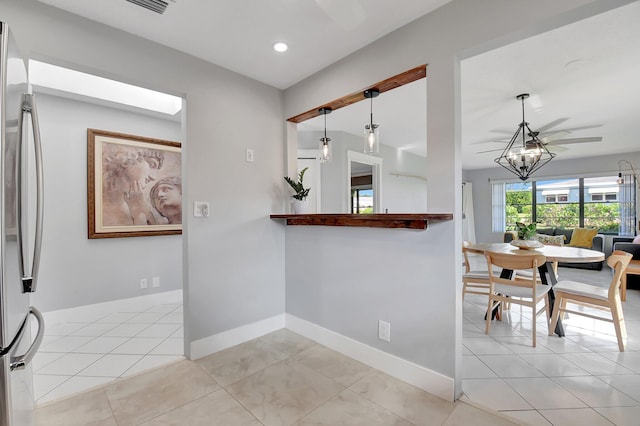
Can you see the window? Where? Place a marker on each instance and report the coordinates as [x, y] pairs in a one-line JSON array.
[[604, 194], [556, 198], [568, 203], [518, 206], [362, 201]]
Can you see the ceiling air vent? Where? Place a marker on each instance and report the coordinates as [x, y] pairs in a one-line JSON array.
[[158, 6]]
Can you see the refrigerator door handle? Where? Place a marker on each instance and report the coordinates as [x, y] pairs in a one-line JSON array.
[[21, 361], [29, 273]]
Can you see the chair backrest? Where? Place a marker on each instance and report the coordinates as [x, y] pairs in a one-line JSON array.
[[465, 245], [619, 260], [529, 261]]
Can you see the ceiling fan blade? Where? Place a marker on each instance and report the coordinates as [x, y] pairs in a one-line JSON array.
[[554, 136], [554, 123], [348, 14], [555, 148], [505, 132], [573, 129], [491, 150], [576, 140], [491, 141]]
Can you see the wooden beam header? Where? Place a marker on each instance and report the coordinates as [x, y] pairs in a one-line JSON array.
[[388, 84]]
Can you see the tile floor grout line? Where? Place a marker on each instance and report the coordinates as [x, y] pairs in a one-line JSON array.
[[161, 313]]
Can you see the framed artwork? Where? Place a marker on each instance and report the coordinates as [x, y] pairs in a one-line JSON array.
[[134, 185]]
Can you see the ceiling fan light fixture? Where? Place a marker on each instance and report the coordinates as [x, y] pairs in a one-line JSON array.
[[371, 130], [325, 145], [521, 156]]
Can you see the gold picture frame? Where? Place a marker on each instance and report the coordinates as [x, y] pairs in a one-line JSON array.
[[134, 185]]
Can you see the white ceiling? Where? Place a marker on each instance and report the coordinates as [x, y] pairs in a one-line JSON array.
[[581, 75], [585, 74], [239, 34]]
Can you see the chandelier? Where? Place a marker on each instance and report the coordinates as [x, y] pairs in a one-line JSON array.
[[524, 156]]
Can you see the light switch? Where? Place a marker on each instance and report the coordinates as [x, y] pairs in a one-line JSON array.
[[249, 155], [200, 209]]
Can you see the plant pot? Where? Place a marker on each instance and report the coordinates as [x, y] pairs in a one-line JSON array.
[[300, 206]]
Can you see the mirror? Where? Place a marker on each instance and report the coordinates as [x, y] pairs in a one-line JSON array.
[[400, 185]]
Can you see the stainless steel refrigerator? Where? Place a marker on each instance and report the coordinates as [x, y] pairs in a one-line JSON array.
[[20, 235]]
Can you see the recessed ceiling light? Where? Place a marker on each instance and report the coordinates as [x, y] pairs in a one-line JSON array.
[[280, 47]]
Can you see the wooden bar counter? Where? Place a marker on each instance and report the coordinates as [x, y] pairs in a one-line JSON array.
[[381, 220]]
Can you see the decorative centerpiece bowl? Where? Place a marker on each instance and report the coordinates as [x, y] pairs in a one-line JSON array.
[[526, 237], [527, 244]]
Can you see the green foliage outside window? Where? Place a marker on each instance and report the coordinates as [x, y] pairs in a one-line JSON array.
[[518, 207], [602, 215]]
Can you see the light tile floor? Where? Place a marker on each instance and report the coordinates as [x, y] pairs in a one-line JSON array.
[[581, 378], [278, 379], [97, 347], [283, 378]]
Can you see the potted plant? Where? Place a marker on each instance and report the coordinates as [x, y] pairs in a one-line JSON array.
[[300, 203], [526, 232]]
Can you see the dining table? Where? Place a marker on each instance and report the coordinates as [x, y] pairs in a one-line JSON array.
[[552, 253]]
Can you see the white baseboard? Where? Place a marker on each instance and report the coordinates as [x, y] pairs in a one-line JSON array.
[[409, 372], [98, 310], [420, 377], [217, 342]]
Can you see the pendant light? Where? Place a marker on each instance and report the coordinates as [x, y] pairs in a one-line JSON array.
[[324, 145], [634, 173], [371, 134], [524, 158]]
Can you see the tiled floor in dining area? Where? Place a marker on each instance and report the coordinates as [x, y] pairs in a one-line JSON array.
[[578, 379]]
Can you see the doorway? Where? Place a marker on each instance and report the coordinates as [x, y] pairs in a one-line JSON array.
[[364, 183], [112, 307]]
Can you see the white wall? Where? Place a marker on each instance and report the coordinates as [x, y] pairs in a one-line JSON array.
[[458, 29], [77, 271], [556, 168], [400, 194], [234, 260]]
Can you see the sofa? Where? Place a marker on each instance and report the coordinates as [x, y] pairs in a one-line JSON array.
[[626, 244], [596, 244]]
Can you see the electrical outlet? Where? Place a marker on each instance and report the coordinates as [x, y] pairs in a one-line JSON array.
[[249, 155], [155, 282], [384, 331], [143, 283]]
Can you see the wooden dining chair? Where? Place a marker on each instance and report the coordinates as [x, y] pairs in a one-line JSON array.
[[522, 291], [474, 281], [592, 296]]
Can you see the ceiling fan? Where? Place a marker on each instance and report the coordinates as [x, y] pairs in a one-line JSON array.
[[552, 139]]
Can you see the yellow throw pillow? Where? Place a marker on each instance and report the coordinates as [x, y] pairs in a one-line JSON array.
[[582, 237]]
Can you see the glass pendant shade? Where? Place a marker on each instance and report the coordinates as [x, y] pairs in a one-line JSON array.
[[371, 139], [324, 146], [371, 130], [325, 149], [521, 156]]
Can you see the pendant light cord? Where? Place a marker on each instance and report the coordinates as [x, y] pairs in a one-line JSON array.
[[371, 113], [325, 128], [524, 142]]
